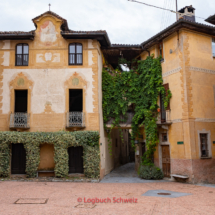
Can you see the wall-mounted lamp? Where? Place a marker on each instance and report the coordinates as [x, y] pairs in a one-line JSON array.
[[136, 142], [170, 51]]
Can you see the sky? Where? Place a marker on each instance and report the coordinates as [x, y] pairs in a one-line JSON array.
[[125, 22]]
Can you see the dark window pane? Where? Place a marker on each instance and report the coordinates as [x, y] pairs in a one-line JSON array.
[[79, 58], [72, 58], [25, 60], [79, 49], [19, 60], [25, 49], [72, 49], [19, 49]]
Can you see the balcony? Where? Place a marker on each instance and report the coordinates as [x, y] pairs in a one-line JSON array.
[[75, 119], [164, 118], [20, 120], [125, 121]]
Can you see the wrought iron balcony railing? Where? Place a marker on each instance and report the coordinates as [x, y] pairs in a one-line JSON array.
[[75, 119], [164, 117], [19, 120]]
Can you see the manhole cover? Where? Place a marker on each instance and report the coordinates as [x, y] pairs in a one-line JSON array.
[[31, 201], [164, 194]]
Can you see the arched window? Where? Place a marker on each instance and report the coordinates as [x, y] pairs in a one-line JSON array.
[[75, 54], [22, 52]]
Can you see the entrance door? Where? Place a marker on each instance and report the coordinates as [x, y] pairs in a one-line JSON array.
[[75, 159], [166, 160], [18, 163]]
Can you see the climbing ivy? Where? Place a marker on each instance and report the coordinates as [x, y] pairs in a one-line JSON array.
[[89, 140], [140, 86]]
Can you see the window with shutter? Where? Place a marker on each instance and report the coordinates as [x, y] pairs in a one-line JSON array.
[[166, 86]]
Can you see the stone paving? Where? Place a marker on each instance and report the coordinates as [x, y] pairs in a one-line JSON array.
[[62, 198], [126, 174], [120, 192]]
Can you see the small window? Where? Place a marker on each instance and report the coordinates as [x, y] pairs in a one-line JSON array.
[[161, 51], [75, 54], [213, 46], [204, 145], [164, 137], [22, 52]]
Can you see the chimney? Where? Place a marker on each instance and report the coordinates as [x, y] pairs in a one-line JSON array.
[[187, 13]]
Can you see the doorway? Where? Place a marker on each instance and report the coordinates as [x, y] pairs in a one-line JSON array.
[[76, 100], [166, 161], [21, 101], [18, 162], [76, 159]]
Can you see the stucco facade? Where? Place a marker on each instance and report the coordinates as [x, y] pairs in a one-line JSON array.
[[189, 69], [48, 77]]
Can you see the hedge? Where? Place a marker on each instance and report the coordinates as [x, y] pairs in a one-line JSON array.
[[62, 140]]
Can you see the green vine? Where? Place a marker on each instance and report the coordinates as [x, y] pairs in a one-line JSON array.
[[89, 140], [140, 86]]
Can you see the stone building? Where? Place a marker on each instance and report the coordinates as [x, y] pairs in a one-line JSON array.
[[51, 79]]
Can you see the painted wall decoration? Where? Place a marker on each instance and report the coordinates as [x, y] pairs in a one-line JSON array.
[[48, 33]]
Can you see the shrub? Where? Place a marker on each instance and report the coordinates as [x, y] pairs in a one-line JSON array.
[[150, 172]]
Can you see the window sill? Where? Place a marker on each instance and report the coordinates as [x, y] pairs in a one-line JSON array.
[[205, 157]]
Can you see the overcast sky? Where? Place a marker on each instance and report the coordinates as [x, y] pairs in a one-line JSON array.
[[125, 22]]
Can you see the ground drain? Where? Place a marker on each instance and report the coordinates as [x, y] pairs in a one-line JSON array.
[[31, 201], [89, 206], [164, 194]]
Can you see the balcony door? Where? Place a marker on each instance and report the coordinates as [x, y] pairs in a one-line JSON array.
[[20, 119], [75, 115], [21, 101], [76, 100]]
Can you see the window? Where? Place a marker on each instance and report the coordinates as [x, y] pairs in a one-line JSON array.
[[162, 108], [161, 51], [22, 52], [213, 46], [75, 54], [164, 137], [204, 145]]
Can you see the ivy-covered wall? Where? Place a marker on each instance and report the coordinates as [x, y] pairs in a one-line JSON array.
[[89, 140]]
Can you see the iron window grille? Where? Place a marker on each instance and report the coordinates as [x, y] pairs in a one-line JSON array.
[[204, 145], [19, 120], [75, 54], [22, 54], [75, 119]]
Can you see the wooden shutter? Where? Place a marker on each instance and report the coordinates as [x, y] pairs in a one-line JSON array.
[[166, 86]]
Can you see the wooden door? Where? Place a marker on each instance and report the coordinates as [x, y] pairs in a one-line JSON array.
[[166, 160], [18, 163], [75, 159]]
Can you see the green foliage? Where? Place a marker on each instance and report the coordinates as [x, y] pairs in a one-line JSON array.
[[89, 140], [140, 86], [150, 172]]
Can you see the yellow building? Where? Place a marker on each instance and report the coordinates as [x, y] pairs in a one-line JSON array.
[[51, 80]]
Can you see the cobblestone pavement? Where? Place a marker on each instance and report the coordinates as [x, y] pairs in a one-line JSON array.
[[62, 198], [125, 174]]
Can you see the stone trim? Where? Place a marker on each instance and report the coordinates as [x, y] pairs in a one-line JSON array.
[[202, 70], [204, 120], [171, 72], [203, 131], [176, 120]]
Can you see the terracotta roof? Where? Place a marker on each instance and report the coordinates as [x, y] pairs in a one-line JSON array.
[[211, 19], [181, 23], [64, 25], [17, 33]]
